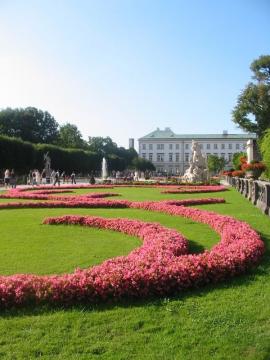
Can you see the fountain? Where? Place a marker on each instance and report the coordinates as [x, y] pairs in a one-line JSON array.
[[104, 172]]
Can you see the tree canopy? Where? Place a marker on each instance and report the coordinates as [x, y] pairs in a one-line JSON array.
[[71, 137], [215, 163], [29, 124], [143, 164], [252, 111]]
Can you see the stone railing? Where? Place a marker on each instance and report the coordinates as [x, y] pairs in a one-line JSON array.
[[258, 192]]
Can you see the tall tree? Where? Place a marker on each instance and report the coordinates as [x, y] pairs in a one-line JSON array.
[[215, 163], [29, 124], [143, 164], [71, 137], [252, 112], [102, 145]]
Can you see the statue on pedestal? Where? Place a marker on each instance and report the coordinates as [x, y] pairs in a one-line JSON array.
[[197, 171], [47, 168]]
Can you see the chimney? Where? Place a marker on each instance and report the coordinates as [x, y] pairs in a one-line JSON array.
[[225, 132], [131, 143]]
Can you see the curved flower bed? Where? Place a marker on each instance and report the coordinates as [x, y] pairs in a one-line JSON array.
[[80, 202], [160, 266], [195, 189], [50, 195]]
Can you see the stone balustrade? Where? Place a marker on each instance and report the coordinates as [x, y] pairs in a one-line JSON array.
[[256, 191]]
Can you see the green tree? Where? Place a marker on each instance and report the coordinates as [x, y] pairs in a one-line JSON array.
[[252, 112], [102, 145], [118, 158], [143, 164], [29, 124], [265, 150], [236, 159], [70, 137], [215, 163]]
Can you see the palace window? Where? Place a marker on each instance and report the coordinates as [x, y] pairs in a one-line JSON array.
[[160, 146], [150, 146], [177, 157], [222, 146], [177, 146], [160, 157], [230, 146], [215, 146], [150, 157], [230, 156], [186, 157], [186, 146], [237, 146], [170, 157], [143, 155], [208, 146], [144, 146], [170, 146]]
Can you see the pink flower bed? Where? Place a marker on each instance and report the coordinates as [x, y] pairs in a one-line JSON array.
[[195, 189], [82, 202], [49, 195], [160, 266]]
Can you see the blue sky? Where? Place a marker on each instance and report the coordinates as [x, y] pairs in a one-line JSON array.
[[123, 68]]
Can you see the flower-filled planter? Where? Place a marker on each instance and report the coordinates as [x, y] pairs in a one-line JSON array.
[[254, 169]]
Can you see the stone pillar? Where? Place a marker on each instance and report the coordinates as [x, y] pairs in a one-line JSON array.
[[250, 189], [245, 187], [250, 151], [263, 201], [254, 192]]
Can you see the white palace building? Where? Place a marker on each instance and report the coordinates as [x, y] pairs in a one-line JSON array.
[[170, 152]]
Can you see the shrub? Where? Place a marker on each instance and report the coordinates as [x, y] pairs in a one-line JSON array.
[[265, 150], [238, 159]]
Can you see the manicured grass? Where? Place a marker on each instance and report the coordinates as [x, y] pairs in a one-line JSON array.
[[219, 321]]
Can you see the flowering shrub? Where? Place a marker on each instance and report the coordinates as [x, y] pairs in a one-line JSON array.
[[254, 166], [160, 266], [239, 173], [227, 173]]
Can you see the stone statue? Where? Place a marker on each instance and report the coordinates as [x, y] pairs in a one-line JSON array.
[[197, 171], [47, 168]]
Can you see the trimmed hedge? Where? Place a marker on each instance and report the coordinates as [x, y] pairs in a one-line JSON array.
[[23, 156]]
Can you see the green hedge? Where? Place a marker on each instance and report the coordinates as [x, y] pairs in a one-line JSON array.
[[265, 150], [23, 156]]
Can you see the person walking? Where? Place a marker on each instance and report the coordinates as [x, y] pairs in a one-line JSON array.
[[63, 176], [38, 177], [34, 179], [53, 176], [13, 179], [73, 179], [56, 178], [7, 178]]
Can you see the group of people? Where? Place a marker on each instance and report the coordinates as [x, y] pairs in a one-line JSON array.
[[10, 179], [37, 178]]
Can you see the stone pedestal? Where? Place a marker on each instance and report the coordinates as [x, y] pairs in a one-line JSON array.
[[263, 201]]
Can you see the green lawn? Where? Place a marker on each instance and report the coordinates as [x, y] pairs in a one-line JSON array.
[[220, 321]]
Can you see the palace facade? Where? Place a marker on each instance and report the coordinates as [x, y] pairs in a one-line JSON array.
[[170, 152]]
